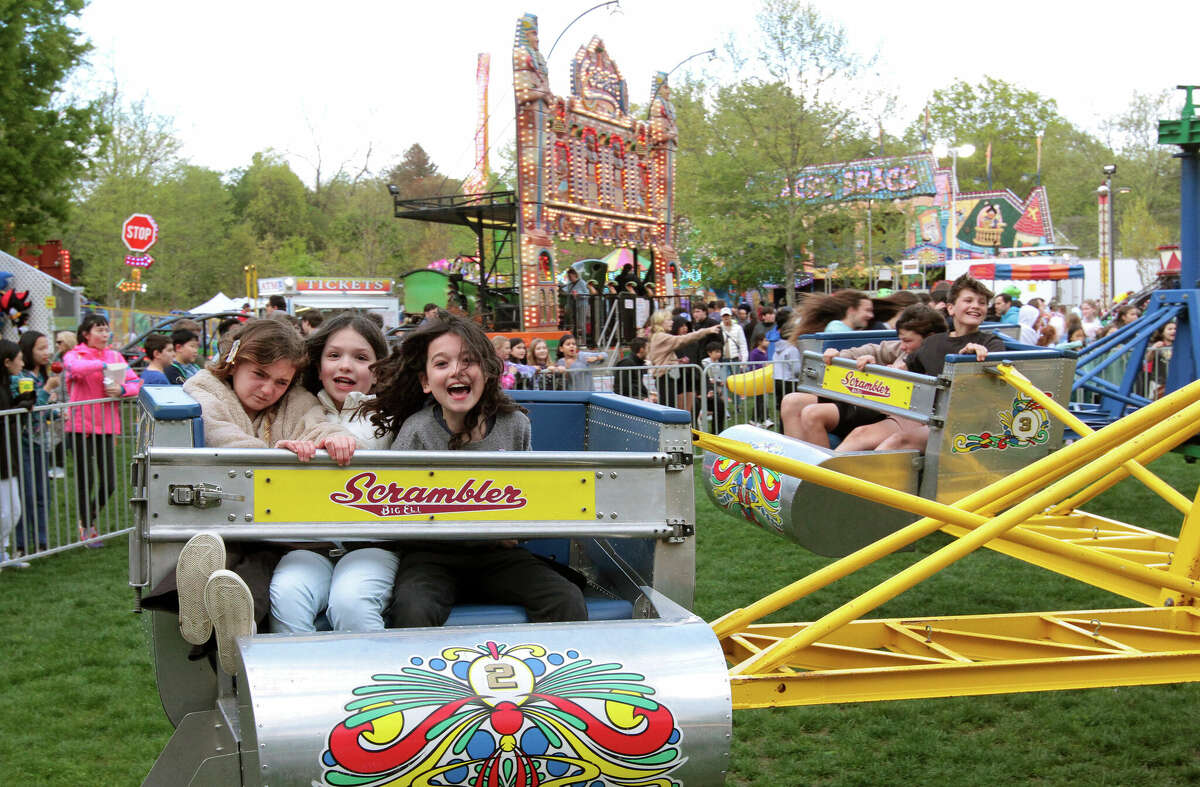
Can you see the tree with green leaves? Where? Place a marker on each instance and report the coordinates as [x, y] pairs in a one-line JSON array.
[[45, 139], [1147, 169], [991, 112], [742, 145], [124, 174]]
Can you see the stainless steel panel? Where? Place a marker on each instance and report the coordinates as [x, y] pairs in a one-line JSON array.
[[551, 697], [921, 402], [988, 431], [824, 520], [203, 745]]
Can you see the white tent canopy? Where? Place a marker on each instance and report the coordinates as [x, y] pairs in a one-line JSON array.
[[218, 303]]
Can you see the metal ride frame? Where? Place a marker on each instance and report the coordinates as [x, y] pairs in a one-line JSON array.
[[1182, 305], [1032, 515]]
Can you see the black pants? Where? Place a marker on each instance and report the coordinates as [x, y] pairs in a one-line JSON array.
[[428, 584], [95, 472], [782, 389]]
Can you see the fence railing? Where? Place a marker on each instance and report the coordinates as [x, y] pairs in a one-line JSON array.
[[698, 389], [607, 319], [66, 470]]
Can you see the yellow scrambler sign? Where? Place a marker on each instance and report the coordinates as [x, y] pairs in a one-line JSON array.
[[887, 390], [357, 495]]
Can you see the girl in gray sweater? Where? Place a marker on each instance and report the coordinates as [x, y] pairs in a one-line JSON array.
[[441, 392]]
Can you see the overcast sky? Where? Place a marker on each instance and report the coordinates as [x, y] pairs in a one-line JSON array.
[[355, 76]]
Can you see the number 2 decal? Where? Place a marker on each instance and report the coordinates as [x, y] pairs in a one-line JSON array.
[[500, 676]]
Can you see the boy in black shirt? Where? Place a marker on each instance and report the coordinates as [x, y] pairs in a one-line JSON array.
[[627, 376], [967, 306]]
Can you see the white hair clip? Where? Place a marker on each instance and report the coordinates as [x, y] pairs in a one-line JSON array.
[[233, 350]]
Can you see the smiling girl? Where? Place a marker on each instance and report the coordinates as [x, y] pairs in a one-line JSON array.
[[441, 391], [339, 586]]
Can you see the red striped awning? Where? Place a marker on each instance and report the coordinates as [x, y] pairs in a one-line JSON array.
[[1027, 271]]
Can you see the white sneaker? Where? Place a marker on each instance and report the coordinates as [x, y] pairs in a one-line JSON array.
[[768, 424], [16, 563], [201, 556], [231, 609], [57, 473]]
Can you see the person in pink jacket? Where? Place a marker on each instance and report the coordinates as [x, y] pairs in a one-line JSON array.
[[92, 429]]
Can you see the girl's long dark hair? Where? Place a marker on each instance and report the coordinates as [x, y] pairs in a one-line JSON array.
[[28, 340], [820, 310], [8, 351], [398, 393], [315, 343]]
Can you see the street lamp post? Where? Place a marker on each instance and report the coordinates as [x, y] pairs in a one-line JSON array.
[[966, 150]]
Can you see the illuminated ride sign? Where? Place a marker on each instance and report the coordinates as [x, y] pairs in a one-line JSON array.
[[892, 177], [588, 170]]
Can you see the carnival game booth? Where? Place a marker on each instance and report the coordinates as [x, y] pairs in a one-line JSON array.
[[636, 695], [980, 430]]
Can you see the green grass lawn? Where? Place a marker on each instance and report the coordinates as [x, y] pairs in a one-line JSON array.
[[81, 707]]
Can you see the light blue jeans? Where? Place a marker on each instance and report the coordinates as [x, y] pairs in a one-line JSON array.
[[311, 592]]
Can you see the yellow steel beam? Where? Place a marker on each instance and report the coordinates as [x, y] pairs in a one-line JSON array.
[[1007, 372], [1186, 560], [974, 654], [1181, 424], [1108, 482], [1022, 480]]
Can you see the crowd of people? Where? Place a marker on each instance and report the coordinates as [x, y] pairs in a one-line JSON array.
[[335, 384], [712, 339]]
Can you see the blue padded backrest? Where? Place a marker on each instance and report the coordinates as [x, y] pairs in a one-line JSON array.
[[844, 339], [502, 614], [1014, 355], [170, 403], [557, 549], [557, 426], [654, 412]]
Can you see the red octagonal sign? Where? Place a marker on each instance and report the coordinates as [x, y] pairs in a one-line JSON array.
[[139, 232]]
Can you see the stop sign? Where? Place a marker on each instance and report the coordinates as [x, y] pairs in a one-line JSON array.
[[139, 232]]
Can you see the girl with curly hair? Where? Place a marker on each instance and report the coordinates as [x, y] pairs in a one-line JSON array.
[[441, 391]]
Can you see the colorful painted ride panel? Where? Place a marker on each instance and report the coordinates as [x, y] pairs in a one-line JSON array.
[[989, 430], [823, 520], [642, 704]]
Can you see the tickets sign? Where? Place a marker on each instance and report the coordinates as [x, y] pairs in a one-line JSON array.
[[877, 388], [357, 495]]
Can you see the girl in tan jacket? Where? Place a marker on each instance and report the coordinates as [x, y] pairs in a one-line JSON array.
[[248, 399]]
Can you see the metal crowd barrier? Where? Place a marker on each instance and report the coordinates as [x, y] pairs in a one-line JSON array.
[[53, 473], [698, 389]]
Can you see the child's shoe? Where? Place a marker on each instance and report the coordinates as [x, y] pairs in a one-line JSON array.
[[85, 538], [231, 609], [200, 557]]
